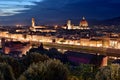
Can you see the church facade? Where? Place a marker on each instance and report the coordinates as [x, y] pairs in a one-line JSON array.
[[82, 25]]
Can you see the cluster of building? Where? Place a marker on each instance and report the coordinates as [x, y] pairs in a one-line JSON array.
[[83, 24], [35, 28], [93, 42], [15, 48], [70, 34]]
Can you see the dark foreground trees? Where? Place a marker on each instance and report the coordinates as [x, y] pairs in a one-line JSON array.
[[6, 72], [35, 66], [111, 72], [48, 70]]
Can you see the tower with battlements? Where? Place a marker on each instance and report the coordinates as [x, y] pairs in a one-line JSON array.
[[33, 22]]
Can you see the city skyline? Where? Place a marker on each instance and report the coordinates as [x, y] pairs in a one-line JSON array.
[[59, 40], [54, 12]]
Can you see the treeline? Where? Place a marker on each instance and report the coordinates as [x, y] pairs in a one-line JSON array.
[[40, 64], [33, 66]]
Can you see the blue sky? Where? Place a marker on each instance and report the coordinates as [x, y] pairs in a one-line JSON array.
[[12, 7], [56, 11]]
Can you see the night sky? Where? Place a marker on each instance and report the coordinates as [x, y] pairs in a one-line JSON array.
[[14, 12]]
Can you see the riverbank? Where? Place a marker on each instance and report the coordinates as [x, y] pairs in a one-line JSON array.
[[86, 49], [77, 48]]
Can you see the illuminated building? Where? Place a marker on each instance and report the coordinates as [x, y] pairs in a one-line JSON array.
[[69, 25], [15, 48], [93, 42], [33, 22], [83, 25], [35, 28]]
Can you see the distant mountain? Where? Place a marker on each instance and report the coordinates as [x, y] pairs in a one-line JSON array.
[[108, 22], [93, 22], [113, 21]]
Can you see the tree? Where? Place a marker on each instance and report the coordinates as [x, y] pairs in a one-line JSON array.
[[20, 65], [31, 58], [73, 78], [111, 72], [15, 65], [6, 72], [54, 53], [41, 47], [103, 74], [115, 71], [47, 70]]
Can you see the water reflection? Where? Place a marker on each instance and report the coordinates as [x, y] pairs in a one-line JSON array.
[[60, 50]]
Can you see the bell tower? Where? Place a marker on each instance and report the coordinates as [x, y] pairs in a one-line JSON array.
[[69, 24], [33, 22]]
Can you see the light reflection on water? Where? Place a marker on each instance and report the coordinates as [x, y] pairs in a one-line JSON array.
[[60, 50]]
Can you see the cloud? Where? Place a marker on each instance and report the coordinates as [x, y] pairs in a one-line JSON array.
[[57, 11], [12, 7]]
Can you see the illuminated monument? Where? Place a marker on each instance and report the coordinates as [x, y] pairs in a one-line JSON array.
[[33, 22], [83, 25], [34, 27], [69, 25]]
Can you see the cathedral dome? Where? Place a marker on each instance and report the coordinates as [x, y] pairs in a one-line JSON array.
[[83, 23]]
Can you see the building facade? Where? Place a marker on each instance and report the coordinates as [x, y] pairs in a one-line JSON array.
[[82, 25]]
